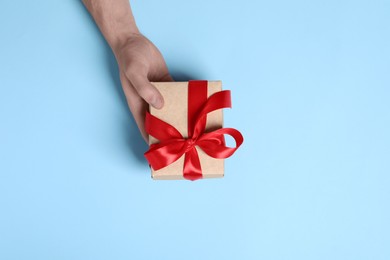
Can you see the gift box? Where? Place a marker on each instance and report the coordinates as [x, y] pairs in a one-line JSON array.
[[186, 136]]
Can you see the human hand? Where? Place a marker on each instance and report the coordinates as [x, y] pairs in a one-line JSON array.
[[140, 62]]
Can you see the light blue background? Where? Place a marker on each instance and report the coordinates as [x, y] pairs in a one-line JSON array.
[[311, 89]]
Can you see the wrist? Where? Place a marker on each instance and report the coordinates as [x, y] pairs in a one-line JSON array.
[[118, 42]]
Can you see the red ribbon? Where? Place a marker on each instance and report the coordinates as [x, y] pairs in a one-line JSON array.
[[173, 145]]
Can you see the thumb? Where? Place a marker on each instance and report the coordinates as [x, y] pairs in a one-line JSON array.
[[147, 91], [167, 78]]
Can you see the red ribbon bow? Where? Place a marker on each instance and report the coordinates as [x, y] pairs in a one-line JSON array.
[[173, 145]]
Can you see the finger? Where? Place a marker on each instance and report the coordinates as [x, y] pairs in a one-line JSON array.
[[147, 91], [137, 105]]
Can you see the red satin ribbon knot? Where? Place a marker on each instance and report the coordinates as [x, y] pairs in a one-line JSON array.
[[173, 145]]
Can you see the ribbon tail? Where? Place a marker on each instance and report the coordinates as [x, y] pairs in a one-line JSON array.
[[192, 169]]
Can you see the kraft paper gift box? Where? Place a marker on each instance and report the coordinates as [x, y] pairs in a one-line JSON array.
[[175, 113]]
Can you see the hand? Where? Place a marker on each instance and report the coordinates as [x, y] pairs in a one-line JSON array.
[[140, 63]]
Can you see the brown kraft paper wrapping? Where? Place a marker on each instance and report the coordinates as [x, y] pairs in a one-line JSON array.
[[174, 113]]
